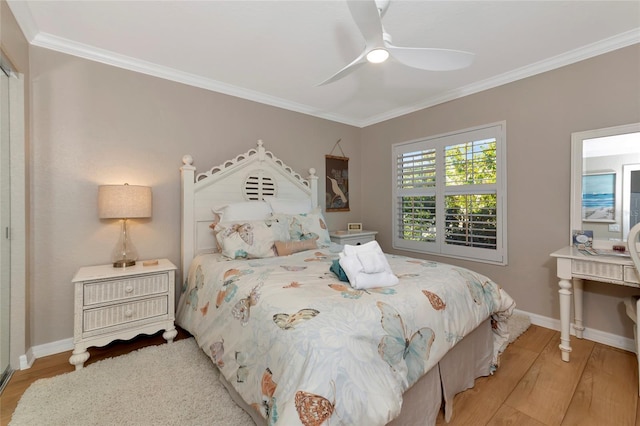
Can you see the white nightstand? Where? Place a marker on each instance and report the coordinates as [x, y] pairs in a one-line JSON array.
[[120, 303], [352, 238]]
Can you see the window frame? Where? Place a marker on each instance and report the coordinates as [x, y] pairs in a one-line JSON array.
[[439, 142]]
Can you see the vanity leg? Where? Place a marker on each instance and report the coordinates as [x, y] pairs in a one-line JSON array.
[[565, 320], [578, 284]]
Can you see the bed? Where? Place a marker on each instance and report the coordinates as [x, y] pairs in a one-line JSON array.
[[296, 345]]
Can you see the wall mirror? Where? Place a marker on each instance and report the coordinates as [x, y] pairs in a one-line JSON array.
[[605, 182]]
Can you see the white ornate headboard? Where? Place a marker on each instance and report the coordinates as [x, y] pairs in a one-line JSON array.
[[249, 176]]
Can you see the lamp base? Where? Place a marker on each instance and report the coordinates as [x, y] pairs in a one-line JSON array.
[[124, 254], [123, 263]]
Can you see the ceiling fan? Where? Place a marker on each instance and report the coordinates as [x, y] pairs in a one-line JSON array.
[[368, 17]]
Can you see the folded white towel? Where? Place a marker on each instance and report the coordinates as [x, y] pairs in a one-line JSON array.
[[371, 246], [372, 262], [366, 266]]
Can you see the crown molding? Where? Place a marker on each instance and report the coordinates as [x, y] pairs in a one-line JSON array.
[[59, 44], [22, 14], [598, 48]]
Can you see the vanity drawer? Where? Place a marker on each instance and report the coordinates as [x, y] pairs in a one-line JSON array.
[[598, 271], [631, 275], [114, 290], [122, 313]]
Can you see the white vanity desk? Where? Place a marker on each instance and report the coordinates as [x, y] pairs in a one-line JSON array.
[[573, 266]]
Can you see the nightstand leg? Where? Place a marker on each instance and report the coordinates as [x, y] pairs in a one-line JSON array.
[[79, 357], [170, 334]]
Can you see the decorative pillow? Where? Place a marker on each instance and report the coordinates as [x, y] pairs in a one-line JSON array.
[[250, 239], [243, 211], [213, 225], [309, 226], [289, 205], [285, 248]]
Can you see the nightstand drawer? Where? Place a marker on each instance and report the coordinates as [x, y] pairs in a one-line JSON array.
[[121, 303], [126, 288], [356, 241], [352, 238], [94, 319]]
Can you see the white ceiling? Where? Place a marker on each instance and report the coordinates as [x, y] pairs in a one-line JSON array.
[[276, 52]]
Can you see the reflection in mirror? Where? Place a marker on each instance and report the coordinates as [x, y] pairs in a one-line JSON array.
[[605, 182], [631, 198]]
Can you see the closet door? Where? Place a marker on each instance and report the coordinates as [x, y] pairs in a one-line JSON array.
[[5, 222]]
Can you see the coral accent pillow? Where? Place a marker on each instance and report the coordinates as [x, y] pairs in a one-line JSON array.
[[285, 248]]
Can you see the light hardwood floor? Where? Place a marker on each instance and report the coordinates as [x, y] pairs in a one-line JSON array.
[[533, 386]]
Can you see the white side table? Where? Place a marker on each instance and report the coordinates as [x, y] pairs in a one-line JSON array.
[[573, 268], [353, 238], [120, 303]]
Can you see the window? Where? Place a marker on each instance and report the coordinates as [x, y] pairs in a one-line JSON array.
[[450, 195]]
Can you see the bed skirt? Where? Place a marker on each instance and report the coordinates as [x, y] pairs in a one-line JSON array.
[[456, 372]]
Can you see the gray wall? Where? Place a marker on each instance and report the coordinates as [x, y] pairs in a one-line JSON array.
[[541, 113]]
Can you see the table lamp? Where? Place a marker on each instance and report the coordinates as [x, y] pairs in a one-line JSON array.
[[124, 202]]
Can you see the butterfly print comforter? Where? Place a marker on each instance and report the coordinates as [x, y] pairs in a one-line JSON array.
[[302, 347]]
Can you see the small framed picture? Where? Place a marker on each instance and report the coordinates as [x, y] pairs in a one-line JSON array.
[[582, 239], [354, 227]]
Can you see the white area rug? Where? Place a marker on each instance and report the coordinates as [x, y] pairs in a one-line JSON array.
[[518, 324], [170, 384]]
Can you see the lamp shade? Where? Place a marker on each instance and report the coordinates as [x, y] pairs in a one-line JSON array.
[[124, 201]]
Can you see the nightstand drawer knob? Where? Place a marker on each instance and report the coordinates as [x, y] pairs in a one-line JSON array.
[[128, 289], [128, 313]]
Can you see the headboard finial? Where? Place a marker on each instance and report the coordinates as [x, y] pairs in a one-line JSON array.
[[187, 160], [312, 172], [261, 151]]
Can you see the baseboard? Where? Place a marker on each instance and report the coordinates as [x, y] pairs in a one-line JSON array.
[[26, 361], [594, 335], [39, 351]]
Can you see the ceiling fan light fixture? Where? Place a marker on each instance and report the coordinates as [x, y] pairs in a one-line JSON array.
[[367, 16], [377, 56]]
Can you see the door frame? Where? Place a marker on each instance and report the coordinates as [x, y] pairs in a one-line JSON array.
[[18, 221]]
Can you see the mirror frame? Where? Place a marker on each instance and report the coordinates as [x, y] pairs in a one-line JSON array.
[[575, 208]]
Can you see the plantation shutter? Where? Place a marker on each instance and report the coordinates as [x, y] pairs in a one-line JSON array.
[[449, 195]]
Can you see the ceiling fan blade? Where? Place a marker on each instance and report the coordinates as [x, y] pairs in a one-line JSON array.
[[354, 65], [431, 59], [367, 18]]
